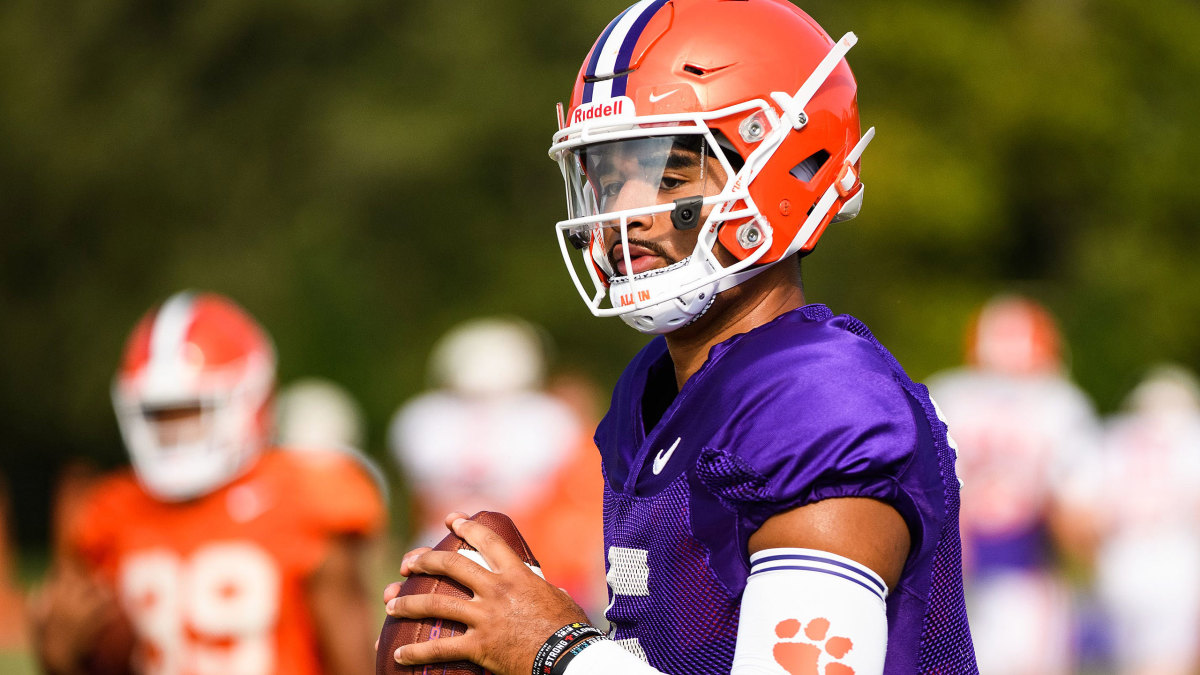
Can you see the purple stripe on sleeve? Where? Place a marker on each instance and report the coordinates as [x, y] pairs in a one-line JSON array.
[[813, 558], [874, 591]]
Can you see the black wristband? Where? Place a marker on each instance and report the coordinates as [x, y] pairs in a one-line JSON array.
[[560, 641], [566, 642], [560, 666]]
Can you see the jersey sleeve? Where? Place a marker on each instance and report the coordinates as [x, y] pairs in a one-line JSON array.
[[333, 496], [344, 498], [91, 520], [839, 425]]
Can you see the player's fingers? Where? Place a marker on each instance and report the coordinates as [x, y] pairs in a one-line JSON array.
[[405, 569], [434, 651], [434, 605], [390, 591], [450, 564], [498, 555], [453, 516]]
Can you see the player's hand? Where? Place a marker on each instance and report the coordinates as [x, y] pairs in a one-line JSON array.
[[67, 615], [513, 612]]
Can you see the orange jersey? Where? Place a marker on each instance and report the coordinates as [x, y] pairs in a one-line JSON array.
[[565, 527], [217, 584]]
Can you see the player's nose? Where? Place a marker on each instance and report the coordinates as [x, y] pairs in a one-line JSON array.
[[634, 195]]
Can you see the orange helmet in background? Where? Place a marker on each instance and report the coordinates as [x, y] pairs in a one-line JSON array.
[[1015, 335], [192, 395], [757, 85]]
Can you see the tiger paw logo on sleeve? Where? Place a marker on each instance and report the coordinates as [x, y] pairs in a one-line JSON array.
[[805, 655]]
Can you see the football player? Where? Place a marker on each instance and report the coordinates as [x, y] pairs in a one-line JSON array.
[[1024, 430], [779, 496], [1148, 559], [224, 555], [489, 437]]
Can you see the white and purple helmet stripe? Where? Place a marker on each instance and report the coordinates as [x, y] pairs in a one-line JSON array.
[[606, 74]]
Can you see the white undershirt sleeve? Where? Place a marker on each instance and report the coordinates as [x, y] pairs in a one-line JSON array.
[[805, 610], [802, 611]]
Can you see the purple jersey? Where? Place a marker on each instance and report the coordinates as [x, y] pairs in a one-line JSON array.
[[807, 407]]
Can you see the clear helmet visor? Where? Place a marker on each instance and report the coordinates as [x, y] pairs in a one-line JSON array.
[[637, 180]]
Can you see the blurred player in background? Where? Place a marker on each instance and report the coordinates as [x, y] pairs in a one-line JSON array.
[[1022, 428], [779, 496], [1146, 496], [316, 415], [223, 554], [488, 437]]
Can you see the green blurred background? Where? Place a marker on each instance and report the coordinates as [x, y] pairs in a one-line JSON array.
[[362, 175]]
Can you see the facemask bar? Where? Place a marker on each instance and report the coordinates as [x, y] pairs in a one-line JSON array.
[[704, 249], [825, 203], [663, 125], [793, 105]]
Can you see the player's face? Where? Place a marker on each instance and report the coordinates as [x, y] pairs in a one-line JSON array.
[[639, 173], [177, 425]]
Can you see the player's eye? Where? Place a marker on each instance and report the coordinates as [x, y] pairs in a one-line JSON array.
[[669, 184], [610, 190]]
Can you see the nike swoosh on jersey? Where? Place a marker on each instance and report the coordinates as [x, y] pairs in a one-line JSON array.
[[660, 458]]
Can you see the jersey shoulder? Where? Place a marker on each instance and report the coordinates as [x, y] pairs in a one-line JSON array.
[[816, 407], [331, 491], [829, 361], [105, 505]]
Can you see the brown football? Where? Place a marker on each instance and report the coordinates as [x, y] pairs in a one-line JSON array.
[[112, 652], [399, 632]]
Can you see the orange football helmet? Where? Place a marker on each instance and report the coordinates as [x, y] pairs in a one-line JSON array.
[[1016, 336], [192, 395], [755, 85]]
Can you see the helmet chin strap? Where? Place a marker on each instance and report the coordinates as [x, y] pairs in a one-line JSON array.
[[845, 182], [677, 311]]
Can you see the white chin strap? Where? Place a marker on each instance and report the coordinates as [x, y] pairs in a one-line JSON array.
[[678, 311], [675, 312], [190, 470]]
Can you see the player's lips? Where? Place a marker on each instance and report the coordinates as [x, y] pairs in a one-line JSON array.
[[642, 257]]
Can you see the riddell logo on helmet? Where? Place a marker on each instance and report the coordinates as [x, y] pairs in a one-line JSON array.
[[622, 106]]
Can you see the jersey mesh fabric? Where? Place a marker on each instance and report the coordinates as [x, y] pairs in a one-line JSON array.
[[946, 638], [946, 645], [727, 473], [698, 634]]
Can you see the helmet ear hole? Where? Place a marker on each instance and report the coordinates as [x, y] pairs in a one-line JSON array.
[[735, 159], [804, 171]]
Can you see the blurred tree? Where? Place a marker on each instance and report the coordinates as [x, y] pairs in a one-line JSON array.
[[362, 175]]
